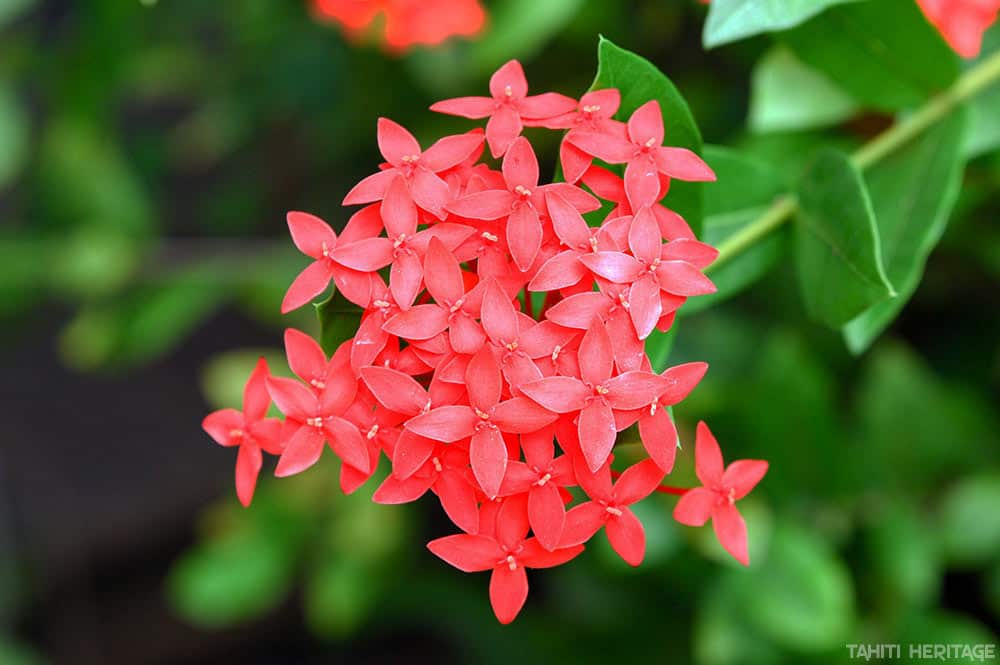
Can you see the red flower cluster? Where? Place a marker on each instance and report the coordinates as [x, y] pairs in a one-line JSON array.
[[452, 377], [961, 22], [406, 23]]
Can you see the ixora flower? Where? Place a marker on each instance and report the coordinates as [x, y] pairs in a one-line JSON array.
[[406, 23], [502, 341]]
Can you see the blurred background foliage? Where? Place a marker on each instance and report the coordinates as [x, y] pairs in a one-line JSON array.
[[148, 153]]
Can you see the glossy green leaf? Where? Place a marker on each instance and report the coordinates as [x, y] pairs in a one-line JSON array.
[[884, 54], [640, 81], [970, 520], [744, 188], [912, 192], [731, 20], [338, 321], [789, 95], [837, 248], [983, 135]]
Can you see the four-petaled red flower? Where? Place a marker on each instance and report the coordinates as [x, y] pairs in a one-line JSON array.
[[501, 346], [721, 488]]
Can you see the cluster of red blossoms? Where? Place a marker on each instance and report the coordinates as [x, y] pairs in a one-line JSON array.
[[406, 23], [452, 378]]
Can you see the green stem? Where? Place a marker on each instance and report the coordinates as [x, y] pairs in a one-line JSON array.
[[970, 84]]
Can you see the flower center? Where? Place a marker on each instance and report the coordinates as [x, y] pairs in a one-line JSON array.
[[489, 236], [612, 510], [523, 192], [437, 464], [372, 433], [555, 352], [508, 92], [544, 479], [236, 434], [316, 422], [511, 562], [326, 250], [482, 415], [512, 346], [317, 384], [591, 108], [600, 390]]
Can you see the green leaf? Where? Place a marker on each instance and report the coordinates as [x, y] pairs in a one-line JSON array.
[[905, 559], [15, 653], [225, 374], [15, 131], [744, 188], [913, 192], [836, 243], [942, 628], [884, 54], [731, 20], [984, 121], [338, 321], [340, 595], [659, 345], [9, 10], [789, 95], [970, 521], [640, 81]]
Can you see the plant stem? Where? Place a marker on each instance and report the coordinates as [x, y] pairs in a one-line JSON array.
[[971, 83]]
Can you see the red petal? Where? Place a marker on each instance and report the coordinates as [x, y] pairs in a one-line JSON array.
[[465, 335], [629, 349], [405, 278], [558, 272], [458, 499], [637, 482], [256, 399], [512, 521], [524, 235], [410, 453], [483, 380], [498, 315], [445, 423], [292, 398], [468, 553], [582, 522], [644, 236], [538, 448], [547, 514], [488, 204], [627, 537], [696, 253], [535, 556], [578, 311], [370, 189], [418, 323], [365, 255], [502, 128], [520, 415], [488, 456], [466, 107], [682, 380], [248, 463], [305, 357], [596, 355], [611, 149], [707, 457], [220, 424], [394, 390], [569, 225], [645, 307], [310, 283], [368, 342], [365, 223], [659, 437], [743, 475], [645, 126], [634, 389], [559, 394], [731, 531], [575, 161], [394, 490], [444, 275], [695, 506], [683, 164], [395, 142], [508, 591], [642, 183], [614, 266], [450, 151], [520, 166], [399, 213], [596, 429], [510, 77], [346, 441], [310, 233], [355, 286], [302, 451], [546, 105], [430, 192]]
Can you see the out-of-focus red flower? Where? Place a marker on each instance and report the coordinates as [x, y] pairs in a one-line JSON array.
[[961, 22], [406, 23]]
